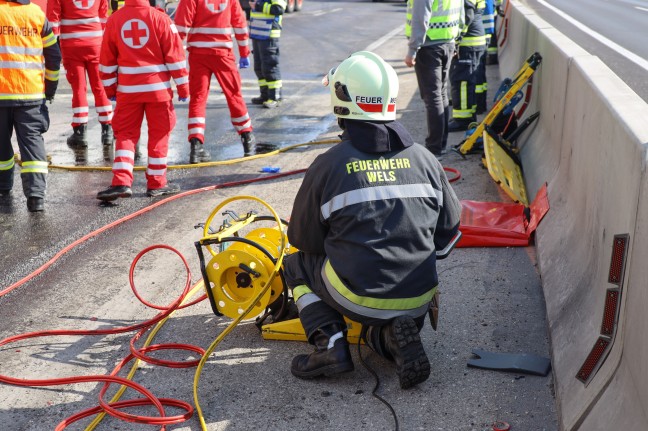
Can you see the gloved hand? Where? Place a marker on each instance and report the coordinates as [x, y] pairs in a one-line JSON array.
[[183, 92], [244, 62], [113, 98], [50, 90]]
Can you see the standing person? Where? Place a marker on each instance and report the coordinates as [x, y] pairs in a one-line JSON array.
[[367, 219], [140, 53], [27, 40], [208, 25], [432, 26], [79, 26], [481, 90], [265, 30], [465, 67]]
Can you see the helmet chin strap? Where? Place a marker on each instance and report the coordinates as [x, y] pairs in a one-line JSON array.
[[341, 123]]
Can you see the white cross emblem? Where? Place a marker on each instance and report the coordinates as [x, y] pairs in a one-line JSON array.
[[83, 4], [135, 33], [211, 5]]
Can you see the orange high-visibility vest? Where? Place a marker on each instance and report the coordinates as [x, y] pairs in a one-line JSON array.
[[21, 51]]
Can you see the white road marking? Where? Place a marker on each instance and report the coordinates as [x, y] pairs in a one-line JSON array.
[[639, 61]]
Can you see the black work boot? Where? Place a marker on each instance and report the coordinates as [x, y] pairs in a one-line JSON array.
[[198, 153], [35, 204], [79, 137], [262, 98], [249, 143], [107, 136], [402, 342], [331, 356], [114, 192]]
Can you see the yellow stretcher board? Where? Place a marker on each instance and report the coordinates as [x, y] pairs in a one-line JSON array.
[[504, 167]]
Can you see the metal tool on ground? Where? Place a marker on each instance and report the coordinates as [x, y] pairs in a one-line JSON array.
[[518, 363]]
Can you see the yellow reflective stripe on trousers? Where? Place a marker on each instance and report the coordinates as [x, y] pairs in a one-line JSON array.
[[418, 303], [34, 167], [6, 165], [274, 84]]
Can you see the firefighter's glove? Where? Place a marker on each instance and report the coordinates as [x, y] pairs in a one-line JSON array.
[[50, 90], [244, 62]]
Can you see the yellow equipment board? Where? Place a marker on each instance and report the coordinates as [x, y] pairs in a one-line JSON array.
[[504, 167]]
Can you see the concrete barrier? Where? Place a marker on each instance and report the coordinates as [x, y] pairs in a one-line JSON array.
[[589, 145]]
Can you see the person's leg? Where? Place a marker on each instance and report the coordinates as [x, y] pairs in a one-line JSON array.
[[229, 79], [30, 122], [75, 73], [199, 81], [127, 124], [161, 120], [461, 75], [324, 326], [429, 74], [271, 72], [102, 104], [7, 163], [257, 50]]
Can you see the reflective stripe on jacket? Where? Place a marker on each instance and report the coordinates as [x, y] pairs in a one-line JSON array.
[[25, 34], [140, 53], [78, 22], [444, 23], [208, 26], [265, 20]]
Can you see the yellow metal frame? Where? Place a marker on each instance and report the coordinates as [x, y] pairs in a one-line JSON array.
[[504, 170], [292, 330], [520, 79]]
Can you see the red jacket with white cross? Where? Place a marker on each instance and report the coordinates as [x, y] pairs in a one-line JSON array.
[[140, 53], [209, 24], [78, 22]]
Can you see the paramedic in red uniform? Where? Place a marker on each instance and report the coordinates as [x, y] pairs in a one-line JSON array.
[[208, 25], [140, 53], [79, 25]]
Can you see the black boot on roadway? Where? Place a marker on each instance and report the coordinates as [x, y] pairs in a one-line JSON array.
[[198, 153], [331, 356], [402, 341], [79, 136], [114, 192]]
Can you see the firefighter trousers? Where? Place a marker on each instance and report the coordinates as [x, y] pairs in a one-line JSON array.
[[266, 66], [201, 68], [29, 122], [463, 80], [79, 61], [127, 124], [317, 308]]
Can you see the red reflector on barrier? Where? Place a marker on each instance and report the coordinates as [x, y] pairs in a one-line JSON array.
[[617, 265], [593, 359], [610, 312]]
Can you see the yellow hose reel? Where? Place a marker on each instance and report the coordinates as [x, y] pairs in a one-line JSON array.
[[241, 265]]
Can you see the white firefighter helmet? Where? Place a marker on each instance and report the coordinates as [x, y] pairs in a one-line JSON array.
[[363, 87]]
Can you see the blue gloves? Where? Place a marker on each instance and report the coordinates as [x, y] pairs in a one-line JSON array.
[[113, 99], [244, 63], [182, 99]]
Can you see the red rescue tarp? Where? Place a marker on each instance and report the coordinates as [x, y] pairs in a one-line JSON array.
[[499, 224]]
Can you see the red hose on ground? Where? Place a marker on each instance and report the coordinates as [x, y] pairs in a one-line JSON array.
[[86, 237], [113, 409]]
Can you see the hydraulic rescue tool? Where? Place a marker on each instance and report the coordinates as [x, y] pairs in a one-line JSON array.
[[507, 97]]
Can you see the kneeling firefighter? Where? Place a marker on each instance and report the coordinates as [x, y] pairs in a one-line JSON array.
[[367, 220]]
